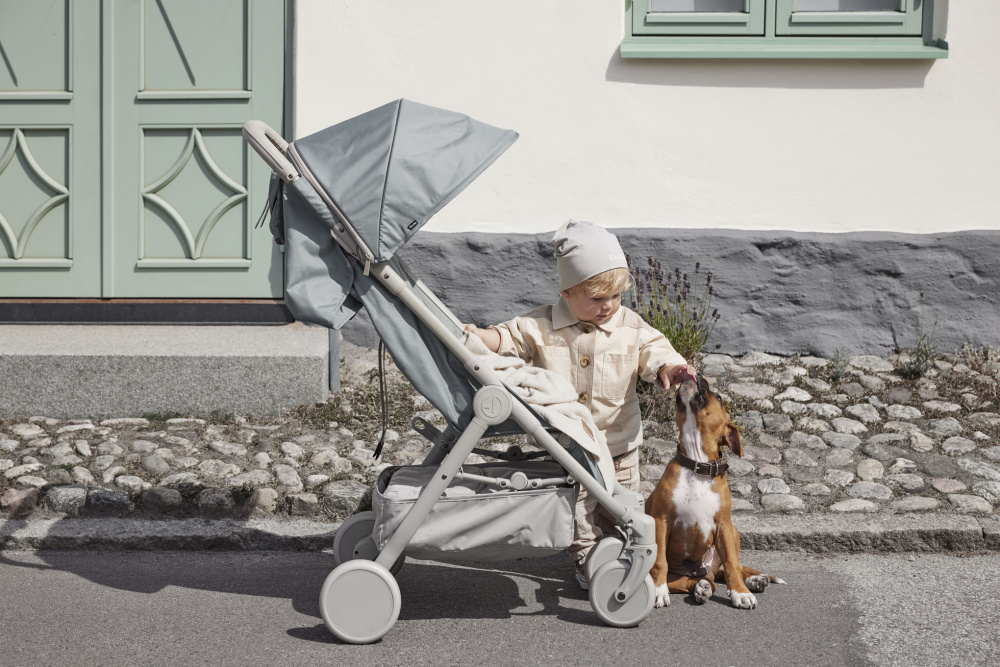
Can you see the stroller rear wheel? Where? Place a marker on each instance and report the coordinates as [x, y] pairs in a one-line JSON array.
[[354, 540], [359, 602], [617, 614]]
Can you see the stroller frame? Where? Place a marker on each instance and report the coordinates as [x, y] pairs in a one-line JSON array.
[[360, 600]]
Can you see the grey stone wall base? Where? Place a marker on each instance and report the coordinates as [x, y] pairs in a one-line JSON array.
[[860, 533], [777, 291], [126, 371], [813, 533]]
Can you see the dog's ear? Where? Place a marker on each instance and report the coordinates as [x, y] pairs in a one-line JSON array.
[[733, 439]]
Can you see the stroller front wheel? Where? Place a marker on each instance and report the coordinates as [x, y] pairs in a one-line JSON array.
[[359, 602], [617, 614]]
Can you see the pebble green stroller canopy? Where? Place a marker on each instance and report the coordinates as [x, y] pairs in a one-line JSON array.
[[343, 201]]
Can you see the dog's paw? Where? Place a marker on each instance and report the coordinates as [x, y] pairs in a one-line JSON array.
[[757, 583], [742, 600], [702, 591], [662, 597]]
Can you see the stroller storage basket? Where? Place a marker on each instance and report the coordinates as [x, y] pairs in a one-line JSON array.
[[475, 521]]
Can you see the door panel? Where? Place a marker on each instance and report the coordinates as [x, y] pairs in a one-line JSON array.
[[194, 208], [186, 190], [194, 46], [50, 234]]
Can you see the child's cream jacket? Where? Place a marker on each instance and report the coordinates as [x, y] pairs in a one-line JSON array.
[[602, 362]]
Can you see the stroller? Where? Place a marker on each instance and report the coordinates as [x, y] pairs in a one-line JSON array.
[[342, 202]]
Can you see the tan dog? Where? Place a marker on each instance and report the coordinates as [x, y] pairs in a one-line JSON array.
[[697, 544]]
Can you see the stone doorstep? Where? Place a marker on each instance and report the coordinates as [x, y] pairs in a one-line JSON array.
[[65, 371], [811, 533]]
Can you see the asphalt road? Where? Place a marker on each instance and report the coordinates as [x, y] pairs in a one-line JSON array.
[[260, 608]]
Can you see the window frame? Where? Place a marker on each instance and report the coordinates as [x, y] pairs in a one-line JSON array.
[[748, 22], [881, 38], [907, 20]]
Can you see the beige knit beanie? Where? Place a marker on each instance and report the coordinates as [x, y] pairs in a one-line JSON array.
[[584, 250]]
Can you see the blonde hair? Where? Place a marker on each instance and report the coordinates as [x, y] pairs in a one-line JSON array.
[[603, 284]]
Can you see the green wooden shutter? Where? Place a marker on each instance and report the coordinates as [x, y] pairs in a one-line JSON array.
[[698, 17], [884, 18], [184, 76], [50, 187]]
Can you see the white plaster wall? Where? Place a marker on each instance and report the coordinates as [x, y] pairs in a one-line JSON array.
[[823, 146]]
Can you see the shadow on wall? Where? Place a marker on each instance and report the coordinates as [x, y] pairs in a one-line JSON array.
[[761, 73]]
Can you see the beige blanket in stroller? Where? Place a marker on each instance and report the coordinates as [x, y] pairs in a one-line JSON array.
[[554, 398]]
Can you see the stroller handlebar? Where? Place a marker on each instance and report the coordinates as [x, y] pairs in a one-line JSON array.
[[271, 147]]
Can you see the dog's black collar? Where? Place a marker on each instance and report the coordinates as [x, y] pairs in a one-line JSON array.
[[715, 468]]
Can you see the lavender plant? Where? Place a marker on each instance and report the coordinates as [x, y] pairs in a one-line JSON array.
[[676, 305]]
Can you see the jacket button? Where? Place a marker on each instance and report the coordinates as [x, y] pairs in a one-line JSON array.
[[583, 398], [585, 362], [588, 328]]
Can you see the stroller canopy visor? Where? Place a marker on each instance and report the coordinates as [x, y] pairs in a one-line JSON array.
[[390, 169]]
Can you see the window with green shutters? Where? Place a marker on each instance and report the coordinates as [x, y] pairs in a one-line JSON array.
[[785, 29]]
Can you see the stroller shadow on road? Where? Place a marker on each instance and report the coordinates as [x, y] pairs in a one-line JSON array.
[[497, 590], [502, 590]]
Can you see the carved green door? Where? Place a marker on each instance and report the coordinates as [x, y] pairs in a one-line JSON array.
[[184, 186], [50, 182], [123, 172]]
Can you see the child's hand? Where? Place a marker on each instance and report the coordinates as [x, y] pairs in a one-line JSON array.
[[675, 375], [490, 337]]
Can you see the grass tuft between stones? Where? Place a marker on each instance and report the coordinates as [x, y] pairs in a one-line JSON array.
[[359, 407]]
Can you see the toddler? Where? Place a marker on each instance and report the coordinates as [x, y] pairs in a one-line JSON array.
[[599, 346]]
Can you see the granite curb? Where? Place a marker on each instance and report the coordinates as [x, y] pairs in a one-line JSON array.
[[810, 533]]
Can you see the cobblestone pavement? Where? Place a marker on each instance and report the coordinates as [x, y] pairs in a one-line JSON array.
[[820, 435]]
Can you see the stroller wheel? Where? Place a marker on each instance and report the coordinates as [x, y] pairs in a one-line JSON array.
[[354, 540], [359, 602], [605, 551], [350, 535], [602, 596]]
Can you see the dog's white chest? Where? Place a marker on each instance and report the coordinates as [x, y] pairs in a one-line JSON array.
[[695, 504]]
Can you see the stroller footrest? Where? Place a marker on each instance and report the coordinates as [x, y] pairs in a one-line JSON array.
[[518, 481]]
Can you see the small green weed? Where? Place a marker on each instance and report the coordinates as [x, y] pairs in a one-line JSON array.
[[839, 365], [158, 420], [921, 357], [221, 417]]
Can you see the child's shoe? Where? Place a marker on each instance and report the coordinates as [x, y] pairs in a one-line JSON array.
[[581, 579]]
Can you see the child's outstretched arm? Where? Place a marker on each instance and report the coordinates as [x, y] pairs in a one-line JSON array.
[[490, 337]]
